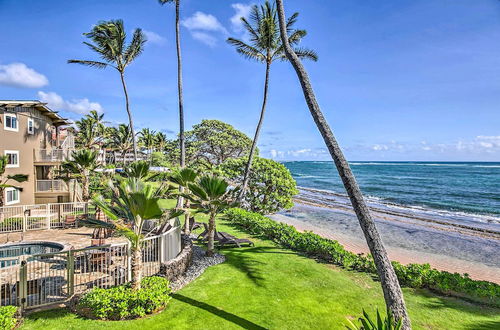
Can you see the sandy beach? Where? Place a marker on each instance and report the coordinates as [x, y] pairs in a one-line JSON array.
[[408, 240]]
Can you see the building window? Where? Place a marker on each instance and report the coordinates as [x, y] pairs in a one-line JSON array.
[[12, 158], [11, 196], [31, 126], [10, 122]]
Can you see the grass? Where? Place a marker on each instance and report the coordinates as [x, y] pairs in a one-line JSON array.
[[269, 287]]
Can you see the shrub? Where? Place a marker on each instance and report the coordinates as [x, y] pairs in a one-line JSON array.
[[8, 317], [412, 275], [366, 323], [121, 302]]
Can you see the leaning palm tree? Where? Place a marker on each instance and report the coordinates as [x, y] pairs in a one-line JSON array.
[[390, 285], [109, 42], [133, 202], [83, 162], [211, 195], [4, 181], [183, 177], [265, 46]]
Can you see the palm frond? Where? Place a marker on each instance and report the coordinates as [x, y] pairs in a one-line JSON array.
[[136, 46], [95, 64], [246, 50], [305, 53]]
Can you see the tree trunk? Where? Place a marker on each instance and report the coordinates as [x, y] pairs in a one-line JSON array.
[[211, 236], [136, 268], [390, 285], [187, 222], [130, 121], [85, 187], [246, 177]]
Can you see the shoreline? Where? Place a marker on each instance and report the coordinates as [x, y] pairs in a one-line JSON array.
[[338, 224]]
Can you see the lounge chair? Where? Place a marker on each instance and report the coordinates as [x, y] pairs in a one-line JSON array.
[[70, 221], [223, 238], [193, 225]]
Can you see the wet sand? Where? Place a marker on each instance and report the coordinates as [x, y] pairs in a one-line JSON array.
[[407, 240]]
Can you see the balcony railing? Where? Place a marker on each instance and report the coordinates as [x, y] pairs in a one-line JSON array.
[[52, 155], [51, 186]]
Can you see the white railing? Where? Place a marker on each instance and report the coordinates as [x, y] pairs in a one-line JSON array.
[[39, 216], [51, 186], [37, 280], [52, 155], [68, 143]]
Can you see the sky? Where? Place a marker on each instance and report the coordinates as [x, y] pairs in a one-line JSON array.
[[397, 80]]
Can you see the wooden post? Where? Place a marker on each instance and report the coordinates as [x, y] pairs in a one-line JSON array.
[[71, 273]]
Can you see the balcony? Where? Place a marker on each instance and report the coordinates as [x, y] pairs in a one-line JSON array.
[[51, 186], [51, 155]]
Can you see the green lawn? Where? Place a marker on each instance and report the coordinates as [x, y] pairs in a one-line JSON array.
[[269, 287]]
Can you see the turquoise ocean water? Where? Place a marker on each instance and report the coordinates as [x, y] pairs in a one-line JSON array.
[[454, 191]]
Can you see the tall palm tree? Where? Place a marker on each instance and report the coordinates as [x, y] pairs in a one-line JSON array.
[[4, 181], [183, 177], [80, 168], [390, 285], [211, 195], [132, 203], [109, 42], [265, 46]]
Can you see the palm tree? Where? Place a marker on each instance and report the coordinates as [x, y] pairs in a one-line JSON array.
[[4, 160], [160, 141], [91, 130], [390, 285], [120, 139], [266, 47], [210, 195], [109, 42], [147, 139], [132, 203], [80, 168], [182, 160], [183, 177]]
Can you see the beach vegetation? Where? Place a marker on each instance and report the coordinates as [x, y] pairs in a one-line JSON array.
[[265, 46], [122, 302], [108, 40], [8, 317], [120, 140], [271, 187], [80, 168]]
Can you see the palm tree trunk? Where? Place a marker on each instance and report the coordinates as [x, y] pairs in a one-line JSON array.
[[390, 285], [136, 268], [85, 187], [130, 121], [256, 136], [211, 236], [187, 223]]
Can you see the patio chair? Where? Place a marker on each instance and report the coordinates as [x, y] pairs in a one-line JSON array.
[[193, 225], [227, 239], [98, 260], [69, 221]]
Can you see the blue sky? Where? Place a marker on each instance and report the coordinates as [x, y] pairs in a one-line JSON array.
[[397, 80]]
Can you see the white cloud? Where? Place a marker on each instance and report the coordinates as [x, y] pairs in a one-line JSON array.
[[379, 147], [206, 38], [79, 106], [202, 21], [154, 38], [20, 75], [241, 10]]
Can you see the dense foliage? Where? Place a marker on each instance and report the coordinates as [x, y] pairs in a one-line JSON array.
[[8, 317], [270, 188], [121, 302], [412, 275], [210, 143]]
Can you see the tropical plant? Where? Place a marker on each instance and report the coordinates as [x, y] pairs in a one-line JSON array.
[[91, 130], [120, 140], [8, 317], [271, 187], [265, 46], [147, 140], [211, 195], [390, 285], [108, 40], [366, 323], [183, 177], [133, 202], [160, 141], [4, 181], [80, 168]]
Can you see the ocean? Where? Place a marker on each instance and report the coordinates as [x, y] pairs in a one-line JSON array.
[[457, 192]]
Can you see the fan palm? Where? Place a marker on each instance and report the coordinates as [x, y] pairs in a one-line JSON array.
[[390, 285], [80, 168], [183, 177], [4, 181], [133, 202], [211, 195], [109, 42], [265, 46]]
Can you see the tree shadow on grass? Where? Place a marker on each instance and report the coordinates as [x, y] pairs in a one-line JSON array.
[[242, 260], [244, 323]]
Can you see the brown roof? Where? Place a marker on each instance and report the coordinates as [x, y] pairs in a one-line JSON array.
[[42, 107]]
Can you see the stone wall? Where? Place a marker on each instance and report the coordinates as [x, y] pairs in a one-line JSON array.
[[175, 268]]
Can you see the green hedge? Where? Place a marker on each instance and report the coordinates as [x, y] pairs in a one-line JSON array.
[[121, 302], [412, 275], [8, 317]]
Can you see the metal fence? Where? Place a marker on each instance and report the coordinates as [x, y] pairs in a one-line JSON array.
[[39, 216], [43, 279]]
